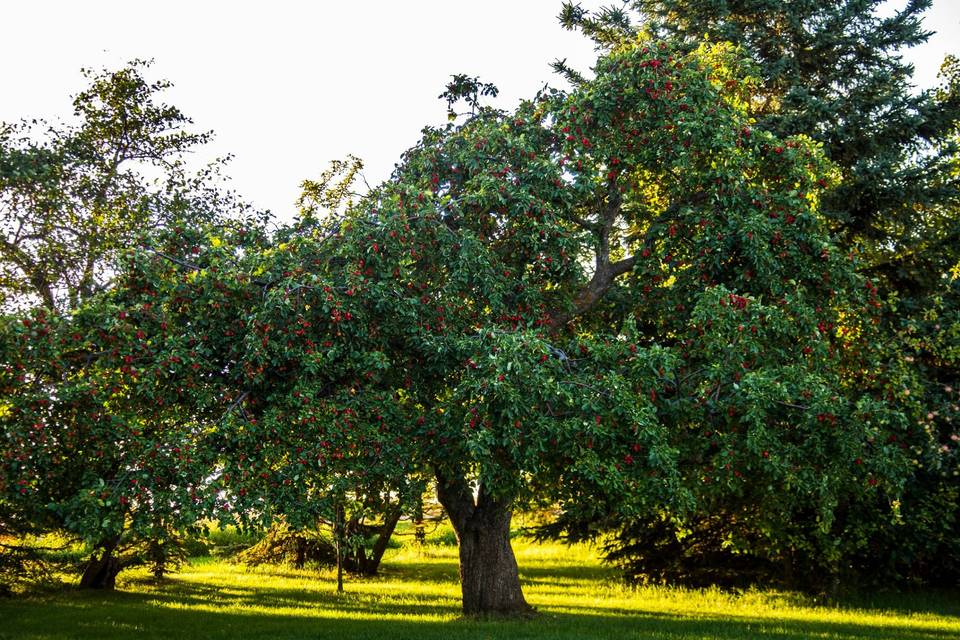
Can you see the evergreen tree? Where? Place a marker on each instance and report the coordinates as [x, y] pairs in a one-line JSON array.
[[832, 70]]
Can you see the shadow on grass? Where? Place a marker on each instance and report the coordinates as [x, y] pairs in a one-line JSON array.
[[182, 608], [441, 570]]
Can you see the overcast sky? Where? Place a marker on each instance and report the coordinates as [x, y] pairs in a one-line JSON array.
[[288, 86]]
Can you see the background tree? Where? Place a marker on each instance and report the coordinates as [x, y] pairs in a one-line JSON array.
[[80, 439], [73, 196]]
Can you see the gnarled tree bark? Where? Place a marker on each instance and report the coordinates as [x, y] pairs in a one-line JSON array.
[[489, 578], [102, 568]]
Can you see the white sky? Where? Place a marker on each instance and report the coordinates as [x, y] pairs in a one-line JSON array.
[[288, 86]]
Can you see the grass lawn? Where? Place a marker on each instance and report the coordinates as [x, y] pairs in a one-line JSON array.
[[417, 598]]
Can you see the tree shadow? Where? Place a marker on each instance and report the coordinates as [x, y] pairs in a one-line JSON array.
[[259, 608]]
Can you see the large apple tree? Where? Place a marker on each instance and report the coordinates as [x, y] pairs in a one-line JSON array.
[[622, 298]]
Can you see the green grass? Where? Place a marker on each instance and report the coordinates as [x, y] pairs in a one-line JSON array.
[[417, 597]]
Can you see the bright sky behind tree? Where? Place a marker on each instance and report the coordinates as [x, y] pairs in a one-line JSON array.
[[288, 86]]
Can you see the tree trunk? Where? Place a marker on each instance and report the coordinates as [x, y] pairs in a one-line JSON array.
[[338, 535], [489, 579], [371, 564], [419, 533], [102, 568], [300, 553], [357, 560]]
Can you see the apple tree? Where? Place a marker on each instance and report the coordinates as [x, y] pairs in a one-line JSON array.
[[74, 198], [103, 417], [622, 298]]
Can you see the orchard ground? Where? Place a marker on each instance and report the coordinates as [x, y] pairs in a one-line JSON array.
[[418, 597]]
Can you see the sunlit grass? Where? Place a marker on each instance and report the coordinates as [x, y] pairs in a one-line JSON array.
[[417, 596]]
